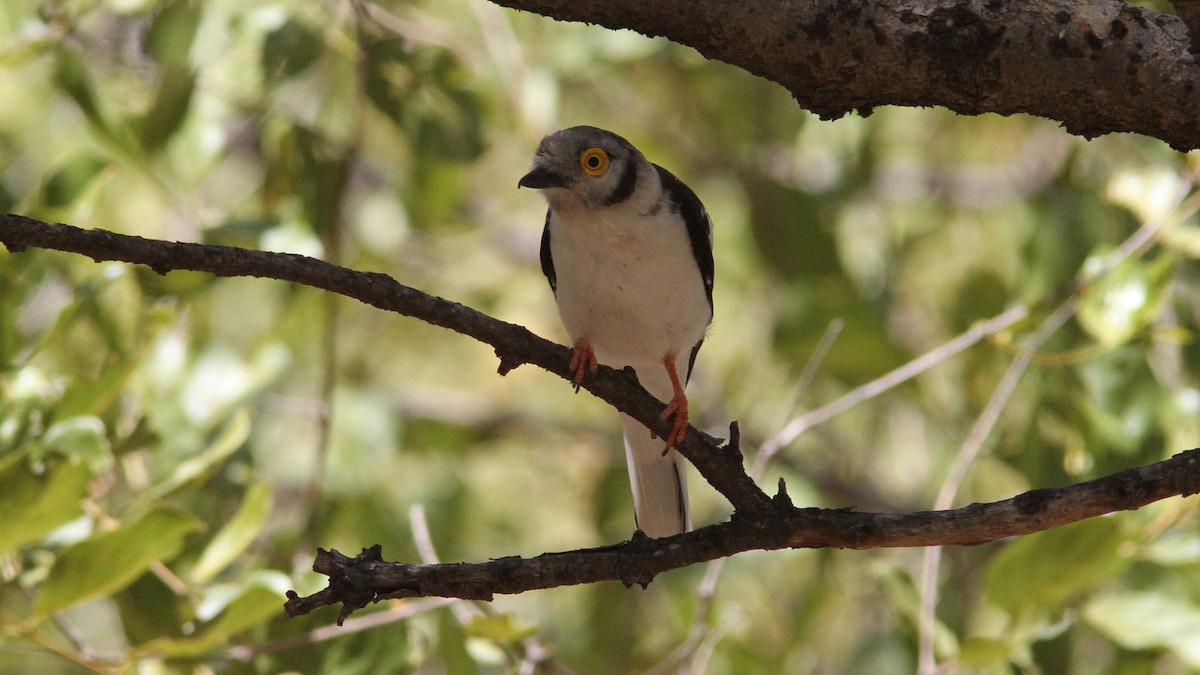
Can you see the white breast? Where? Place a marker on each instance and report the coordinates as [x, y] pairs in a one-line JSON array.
[[629, 283]]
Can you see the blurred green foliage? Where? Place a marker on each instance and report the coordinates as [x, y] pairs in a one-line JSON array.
[[173, 449]]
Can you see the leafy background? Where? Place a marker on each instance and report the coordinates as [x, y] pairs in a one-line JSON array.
[[173, 449]]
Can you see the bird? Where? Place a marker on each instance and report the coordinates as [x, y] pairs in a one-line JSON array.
[[627, 249]]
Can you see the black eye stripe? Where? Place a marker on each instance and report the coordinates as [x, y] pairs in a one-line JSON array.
[[625, 186]]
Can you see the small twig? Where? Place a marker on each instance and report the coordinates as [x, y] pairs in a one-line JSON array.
[[969, 338], [782, 439]]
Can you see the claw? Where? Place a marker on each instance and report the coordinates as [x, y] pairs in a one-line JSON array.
[[583, 360]]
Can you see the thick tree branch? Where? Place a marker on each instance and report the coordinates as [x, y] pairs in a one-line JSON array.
[[355, 582], [514, 345], [1189, 12], [1098, 67]]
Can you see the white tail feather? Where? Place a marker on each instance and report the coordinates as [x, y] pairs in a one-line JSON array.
[[659, 482]]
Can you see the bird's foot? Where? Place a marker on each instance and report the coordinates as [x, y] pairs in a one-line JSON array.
[[679, 408], [583, 361], [678, 405]]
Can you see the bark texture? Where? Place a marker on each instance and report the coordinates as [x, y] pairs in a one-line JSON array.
[[1098, 67]]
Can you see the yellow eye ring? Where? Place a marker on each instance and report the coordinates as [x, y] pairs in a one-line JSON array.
[[593, 161]]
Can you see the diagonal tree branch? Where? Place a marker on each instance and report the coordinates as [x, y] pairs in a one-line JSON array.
[[514, 345], [758, 522], [1098, 67]]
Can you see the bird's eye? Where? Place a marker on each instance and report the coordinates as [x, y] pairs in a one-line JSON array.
[[594, 161]]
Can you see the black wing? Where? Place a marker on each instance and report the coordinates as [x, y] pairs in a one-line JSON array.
[[699, 226], [547, 261]]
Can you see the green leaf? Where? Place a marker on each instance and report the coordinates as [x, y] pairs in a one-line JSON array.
[[151, 610], [236, 535], [981, 652], [175, 88], [1047, 569], [289, 50], [419, 90], [85, 396], [499, 628], [235, 433], [1176, 547], [81, 439], [110, 561], [71, 179], [72, 77], [1122, 303], [254, 605], [1184, 238], [1149, 620], [387, 77], [34, 505], [173, 31]]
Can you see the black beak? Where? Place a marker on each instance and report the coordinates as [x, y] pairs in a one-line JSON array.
[[541, 178]]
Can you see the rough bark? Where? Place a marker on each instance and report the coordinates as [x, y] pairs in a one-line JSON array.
[[1098, 67]]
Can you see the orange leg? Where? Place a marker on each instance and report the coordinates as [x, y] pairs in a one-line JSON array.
[[677, 406], [583, 360]]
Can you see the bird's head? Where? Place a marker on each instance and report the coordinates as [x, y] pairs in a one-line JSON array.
[[584, 166]]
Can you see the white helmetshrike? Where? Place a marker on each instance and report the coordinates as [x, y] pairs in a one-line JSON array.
[[627, 248]]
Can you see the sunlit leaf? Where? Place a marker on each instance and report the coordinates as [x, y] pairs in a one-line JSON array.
[[1122, 303], [1176, 548], [1184, 238], [1150, 192], [1149, 620], [110, 561], [236, 535]]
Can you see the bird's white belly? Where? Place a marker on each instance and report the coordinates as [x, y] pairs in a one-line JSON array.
[[635, 293]]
